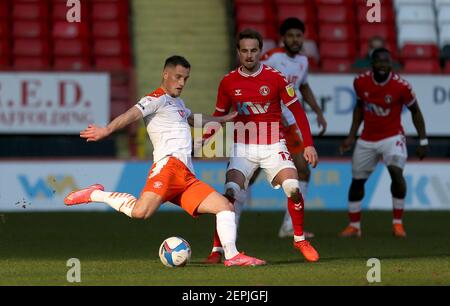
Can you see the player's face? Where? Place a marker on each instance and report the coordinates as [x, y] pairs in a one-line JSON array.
[[174, 79], [293, 40], [249, 53], [382, 65]]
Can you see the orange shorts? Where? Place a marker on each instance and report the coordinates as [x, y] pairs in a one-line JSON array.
[[294, 142], [174, 182]]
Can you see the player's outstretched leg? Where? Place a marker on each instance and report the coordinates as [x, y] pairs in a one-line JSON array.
[[355, 196], [226, 229]]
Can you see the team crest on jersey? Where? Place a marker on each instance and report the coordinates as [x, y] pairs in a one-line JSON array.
[[237, 92], [182, 113], [290, 90], [157, 185], [264, 90], [388, 99]]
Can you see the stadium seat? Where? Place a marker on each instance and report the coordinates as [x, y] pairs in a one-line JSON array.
[[420, 33], [266, 30], [337, 32], [240, 2], [390, 45], [118, 107], [63, 29], [112, 63], [5, 54], [109, 29], [444, 15], [31, 62], [306, 13], [115, 10], [420, 51], [30, 47], [421, 66], [71, 47], [111, 47], [30, 29], [336, 65], [253, 14], [387, 14], [369, 30], [4, 10], [335, 14], [59, 11], [444, 37], [337, 50], [71, 63], [416, 14], [300, 2], [120, 92], [29, 10], [5, 29], [335, 2]]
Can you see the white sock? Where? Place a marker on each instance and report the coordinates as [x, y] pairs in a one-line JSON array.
[[356, 224], [299, 238], [122, 202], [226, 229], [239, 205], [217, 249]]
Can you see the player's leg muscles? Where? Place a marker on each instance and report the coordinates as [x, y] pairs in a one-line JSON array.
[[214, 203], [301, 164], [146, 205], [398, 185], [235, 181], [356, 192], [288, 179]]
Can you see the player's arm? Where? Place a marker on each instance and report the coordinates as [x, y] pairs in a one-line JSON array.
[[309, 98], [419, 124], [96, 133], [204, 119], [357, 119]]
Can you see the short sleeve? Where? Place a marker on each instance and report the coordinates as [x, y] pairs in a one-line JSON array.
[[408, 94], [223, 102], [286, 91], [304, 80], [149, 105]]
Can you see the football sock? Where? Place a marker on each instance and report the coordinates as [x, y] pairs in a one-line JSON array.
[[297, 212], [226, 229], [354, 213], [398, 208], [287, 221], [122, 202]]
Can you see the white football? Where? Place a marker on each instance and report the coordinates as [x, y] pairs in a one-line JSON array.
[[175, 252]]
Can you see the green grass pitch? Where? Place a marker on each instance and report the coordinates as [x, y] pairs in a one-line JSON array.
[[114, 250]]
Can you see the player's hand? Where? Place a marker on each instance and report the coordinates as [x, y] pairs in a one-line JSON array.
[[422, 152], [322, 123], [227, 118], [94, 133], [311, 156], [346, 145]]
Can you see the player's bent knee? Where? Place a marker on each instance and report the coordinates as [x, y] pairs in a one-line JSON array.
[[232, 190], [291, 188]]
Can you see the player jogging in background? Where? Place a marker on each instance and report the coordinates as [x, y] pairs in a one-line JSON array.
[[381, 95], [290, 62], [171, 177], [255, 91]]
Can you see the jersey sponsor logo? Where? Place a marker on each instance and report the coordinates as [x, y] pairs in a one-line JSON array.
[[290, 90], [388, 99], [264, 90], [237, 92], [250, 108], [377, 110]]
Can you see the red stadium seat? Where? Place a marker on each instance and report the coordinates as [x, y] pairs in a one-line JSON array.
[[387, 14], [335, 2], [4, 9], [4, 29], [109, 10], [112, 63], [369, 30], [241, 2], [120, 92], [30, 29], [71, 63], [254, 13], [30, 47], [306, 13], [337, 50], [278, 2], [266, 30], [59, 11], [71, 47], [335, 14], [5, 54], [337, 32], [447, 67], [63, 29], [421, 66], [336, 65], [31, 63], [29, 10], [110, 47], [110, 29], [420, 51], [390, 45]]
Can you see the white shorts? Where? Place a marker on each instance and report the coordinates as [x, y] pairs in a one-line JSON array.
[[368, 153], [272, 158]]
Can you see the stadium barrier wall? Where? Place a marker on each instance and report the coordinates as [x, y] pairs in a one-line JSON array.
[[53, 102], [336, 96], [27, 186]]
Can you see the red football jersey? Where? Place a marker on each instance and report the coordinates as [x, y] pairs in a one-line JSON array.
[[257, 98], [382, 104]]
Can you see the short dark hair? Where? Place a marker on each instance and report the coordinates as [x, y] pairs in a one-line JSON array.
[[176, 60], [291, 23], [249, 34], [378, 51]]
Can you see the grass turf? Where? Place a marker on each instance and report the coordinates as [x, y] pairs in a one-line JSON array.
[[113, 250]]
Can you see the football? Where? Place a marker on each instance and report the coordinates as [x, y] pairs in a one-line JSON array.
[[175, 252]]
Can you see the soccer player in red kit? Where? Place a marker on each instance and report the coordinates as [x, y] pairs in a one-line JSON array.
[[255, 90], [381, 95]]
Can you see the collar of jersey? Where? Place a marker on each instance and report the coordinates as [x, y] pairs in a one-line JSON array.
[[385, 82], [251, 75]]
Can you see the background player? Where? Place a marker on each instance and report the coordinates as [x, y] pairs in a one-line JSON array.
[[171, 177], [255, 91], [289, 61], [381, 95]]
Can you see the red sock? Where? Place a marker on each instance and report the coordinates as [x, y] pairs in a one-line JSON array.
[[297, 215], [398, 214], [355, 217]]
